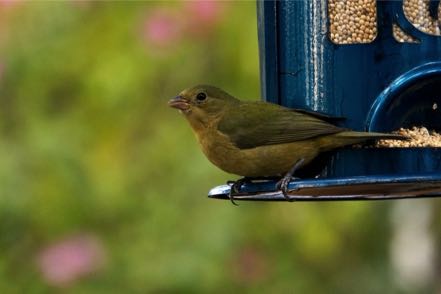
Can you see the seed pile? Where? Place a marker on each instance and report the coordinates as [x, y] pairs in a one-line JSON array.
[[402, 36], [417, 12], [418, 137], [352, 21]]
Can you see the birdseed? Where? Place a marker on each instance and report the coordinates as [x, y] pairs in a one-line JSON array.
[[352, 21], [417, 12], [418, 137], [402, 36], [355, 21]]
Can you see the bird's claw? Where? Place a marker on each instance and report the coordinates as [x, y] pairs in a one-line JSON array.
[[235, 187], [282, 185]]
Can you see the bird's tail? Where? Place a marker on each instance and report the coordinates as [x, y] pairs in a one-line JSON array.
[[347, 138], [364, 136]]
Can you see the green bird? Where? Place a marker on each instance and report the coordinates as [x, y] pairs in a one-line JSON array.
[[257, 139]]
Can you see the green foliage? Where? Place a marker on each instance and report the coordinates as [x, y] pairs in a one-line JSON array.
[[88, 144]]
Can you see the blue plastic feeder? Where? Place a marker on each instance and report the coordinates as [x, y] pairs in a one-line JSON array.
[[312, 58]]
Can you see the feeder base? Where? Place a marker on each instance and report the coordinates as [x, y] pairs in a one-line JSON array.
[[353, 188]]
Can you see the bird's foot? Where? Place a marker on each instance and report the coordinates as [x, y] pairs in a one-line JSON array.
[[282, 185], [235, 187]]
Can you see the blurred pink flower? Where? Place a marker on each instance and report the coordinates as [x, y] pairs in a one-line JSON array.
[[203, 15], [66, 261], [205, 10], [162, 28], [8, 2]]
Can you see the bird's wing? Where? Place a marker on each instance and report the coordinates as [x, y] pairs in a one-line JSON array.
[[322, 116], [256, 124]]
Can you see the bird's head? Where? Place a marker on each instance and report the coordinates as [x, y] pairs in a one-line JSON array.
[[203, 103]]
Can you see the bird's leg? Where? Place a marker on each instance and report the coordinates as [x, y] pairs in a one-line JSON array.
[[282, 185]]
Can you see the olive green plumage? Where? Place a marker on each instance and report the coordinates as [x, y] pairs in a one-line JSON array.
[[255, 139], [254, 124]]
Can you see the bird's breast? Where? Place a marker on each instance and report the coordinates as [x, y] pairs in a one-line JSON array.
[[218, 148]]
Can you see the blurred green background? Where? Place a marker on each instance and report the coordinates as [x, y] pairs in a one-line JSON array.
[[103, 187]]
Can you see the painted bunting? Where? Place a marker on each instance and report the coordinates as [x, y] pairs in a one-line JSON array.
[[258, 139]]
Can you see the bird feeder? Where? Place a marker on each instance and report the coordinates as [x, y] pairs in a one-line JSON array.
[[375, 63]]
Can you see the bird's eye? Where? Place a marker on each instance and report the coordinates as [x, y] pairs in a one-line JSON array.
[[201, 96]]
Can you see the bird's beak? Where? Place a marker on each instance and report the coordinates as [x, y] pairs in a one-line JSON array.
[[180, 103]]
